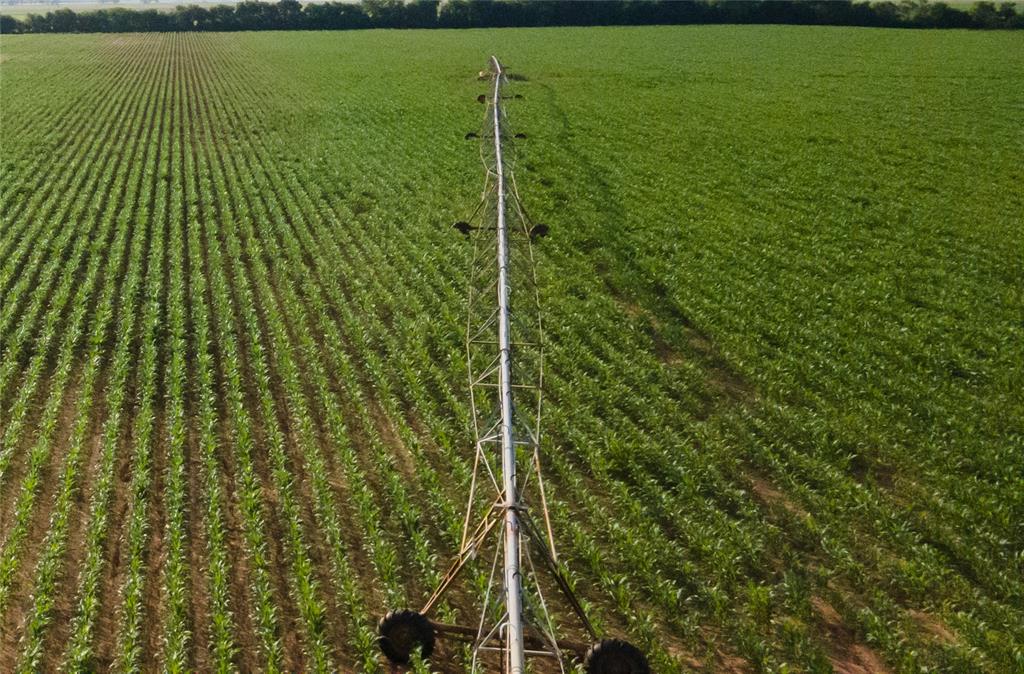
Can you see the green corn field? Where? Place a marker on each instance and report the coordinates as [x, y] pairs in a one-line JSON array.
[[783, 299]]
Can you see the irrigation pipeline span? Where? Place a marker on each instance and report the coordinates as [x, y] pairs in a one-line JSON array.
[[504, 354]]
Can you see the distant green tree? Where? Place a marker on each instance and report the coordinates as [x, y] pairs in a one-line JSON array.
[[1011, 18], [335, 16], [384, 13], [289, 14], [454, 14], [222, 18], [192, 17], [63, 21], [8, 25], [986, 15]]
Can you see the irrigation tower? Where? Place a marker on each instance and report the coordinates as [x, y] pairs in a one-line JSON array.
[[504, 340]]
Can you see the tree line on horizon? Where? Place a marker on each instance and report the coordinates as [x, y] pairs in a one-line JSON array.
[[292, 15]]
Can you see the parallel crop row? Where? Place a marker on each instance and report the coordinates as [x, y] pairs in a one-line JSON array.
[[99, 266], [123, 380], [325, 506]]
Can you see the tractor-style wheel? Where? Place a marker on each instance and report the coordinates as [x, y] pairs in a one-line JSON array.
[[401, 632], [614, 656]]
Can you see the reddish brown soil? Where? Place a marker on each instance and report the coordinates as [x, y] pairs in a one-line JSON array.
[[846, 653], [934, 626], [771, 496]]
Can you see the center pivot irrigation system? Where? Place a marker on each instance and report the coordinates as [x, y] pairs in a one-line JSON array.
[[504, 353]]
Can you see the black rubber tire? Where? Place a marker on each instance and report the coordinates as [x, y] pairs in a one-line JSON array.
[[614, 656], [401, 632]]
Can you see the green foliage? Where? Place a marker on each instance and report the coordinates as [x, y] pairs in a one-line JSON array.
[[782, 299]]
